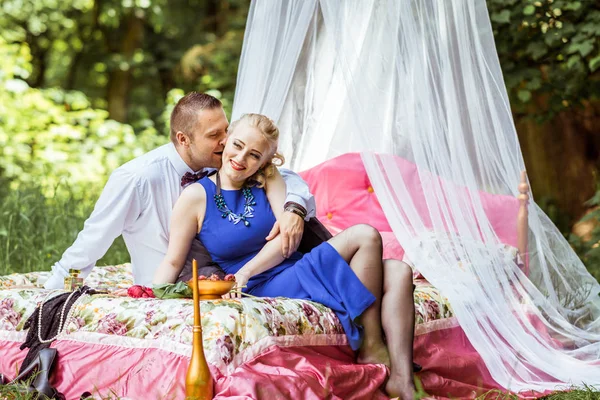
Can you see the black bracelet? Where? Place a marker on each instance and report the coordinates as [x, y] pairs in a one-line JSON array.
[[296, 211], [296, 206]]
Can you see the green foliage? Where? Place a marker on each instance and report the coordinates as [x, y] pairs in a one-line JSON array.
[[67, 71], [575, 393], [35, 229], [19, 391], [55, 154], [126, 55], [586, 393], [549, 51], [49, 135]]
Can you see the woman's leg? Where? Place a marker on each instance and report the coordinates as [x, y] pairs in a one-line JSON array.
[[361, 247], [398, 316]]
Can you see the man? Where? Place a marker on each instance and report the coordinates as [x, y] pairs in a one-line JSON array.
[[139, 195]]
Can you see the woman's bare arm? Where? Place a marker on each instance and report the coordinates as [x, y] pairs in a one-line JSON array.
[[276, 193], [186, 222]]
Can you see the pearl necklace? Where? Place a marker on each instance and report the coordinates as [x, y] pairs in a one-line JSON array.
[[61, 323]]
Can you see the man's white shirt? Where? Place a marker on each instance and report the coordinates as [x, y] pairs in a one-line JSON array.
[[137, 202]]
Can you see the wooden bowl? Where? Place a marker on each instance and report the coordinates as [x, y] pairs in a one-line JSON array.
[[212, 290]]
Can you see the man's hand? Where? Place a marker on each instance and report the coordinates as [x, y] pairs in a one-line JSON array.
[[291, 228]]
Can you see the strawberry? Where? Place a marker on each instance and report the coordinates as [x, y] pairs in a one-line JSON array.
[[202, 278], [214, 277], [229, 277]]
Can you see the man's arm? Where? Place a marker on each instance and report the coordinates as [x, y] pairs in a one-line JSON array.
[[118, 206], [298, 192], [299, 206]]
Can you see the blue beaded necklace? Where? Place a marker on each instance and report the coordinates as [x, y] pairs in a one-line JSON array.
[[230, 215]]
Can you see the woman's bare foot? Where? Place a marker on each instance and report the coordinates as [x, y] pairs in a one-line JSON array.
[[374, 354], [398, 386]]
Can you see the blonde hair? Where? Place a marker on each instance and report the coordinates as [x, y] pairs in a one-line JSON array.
[[270, 131]]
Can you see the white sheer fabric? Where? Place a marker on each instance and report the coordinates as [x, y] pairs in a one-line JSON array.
[[420, 80]]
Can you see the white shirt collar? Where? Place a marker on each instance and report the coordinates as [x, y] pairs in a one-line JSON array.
[[180, 166]]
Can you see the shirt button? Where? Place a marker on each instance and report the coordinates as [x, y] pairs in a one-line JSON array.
[[329, 215], [370, 189]]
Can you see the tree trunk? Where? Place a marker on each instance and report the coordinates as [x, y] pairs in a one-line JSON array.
[[72, 74], [86, 37], [38, 60], [562, 161], [119, 79], [217, 12]]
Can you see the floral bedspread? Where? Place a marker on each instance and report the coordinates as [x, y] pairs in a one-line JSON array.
[[234, 330]]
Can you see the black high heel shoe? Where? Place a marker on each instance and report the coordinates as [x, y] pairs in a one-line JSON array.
[[41, 383], [41, 366], [24, 374]]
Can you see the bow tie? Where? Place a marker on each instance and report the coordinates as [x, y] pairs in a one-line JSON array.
[[188, 177]]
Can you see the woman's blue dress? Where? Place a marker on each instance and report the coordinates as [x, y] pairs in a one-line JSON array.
[[322, 275]]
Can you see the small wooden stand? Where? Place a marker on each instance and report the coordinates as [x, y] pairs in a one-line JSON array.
[[523, 221], [198, 382]]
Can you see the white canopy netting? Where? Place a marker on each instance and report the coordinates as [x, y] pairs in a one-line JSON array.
[[417, 84]]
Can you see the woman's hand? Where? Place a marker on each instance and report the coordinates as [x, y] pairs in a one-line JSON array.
[[120, 292], [241, 279]]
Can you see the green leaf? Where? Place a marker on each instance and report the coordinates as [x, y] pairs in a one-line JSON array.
[[529, 10], [594, 63], [573, 5], [503, 17], [524, 95], [534, 84], [584, 48], [179, 290], [591, 28], [537, 50], [573, 61]]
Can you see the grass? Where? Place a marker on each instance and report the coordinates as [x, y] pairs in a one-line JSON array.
[[578, 394], [19, 392], [35, 230], [586, 393]]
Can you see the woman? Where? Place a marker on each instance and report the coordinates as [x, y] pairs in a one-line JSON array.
[[231, 213]]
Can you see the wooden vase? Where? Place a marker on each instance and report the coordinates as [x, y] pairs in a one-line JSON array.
[[198, 381]]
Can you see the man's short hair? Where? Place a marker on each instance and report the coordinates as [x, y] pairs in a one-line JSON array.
[[185, 113]]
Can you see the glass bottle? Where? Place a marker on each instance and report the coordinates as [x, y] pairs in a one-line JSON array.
[[73, 281]]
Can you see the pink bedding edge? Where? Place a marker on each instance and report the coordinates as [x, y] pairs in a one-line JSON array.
[[149, 373], [452, 368]]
